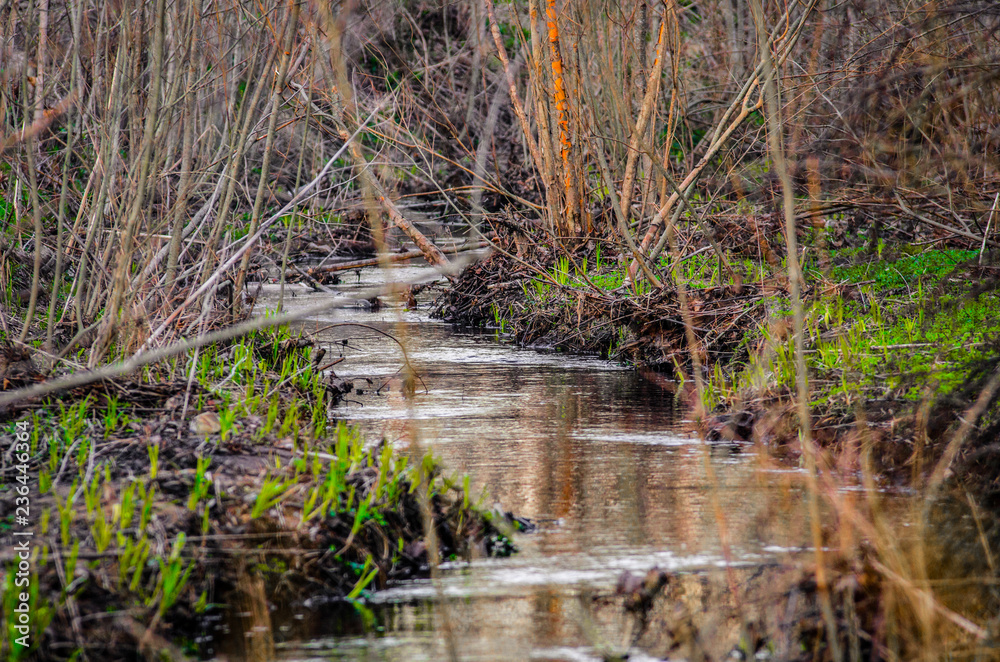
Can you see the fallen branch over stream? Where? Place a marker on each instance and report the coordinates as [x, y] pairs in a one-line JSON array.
[[148, 357], [376, 261], [543, 306]]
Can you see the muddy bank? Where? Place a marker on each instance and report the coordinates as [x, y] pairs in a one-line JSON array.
[[900, 346], [174, 516], [887, 333], [538, 293]]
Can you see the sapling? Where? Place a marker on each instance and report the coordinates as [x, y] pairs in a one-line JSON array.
[[201, 483], [154, 460], [148, 495], [126, 506], [384, 465], [91, 494], [365, 580], [319, 411], [66, 516], [202, 604], [69, 567], [309, 509], [173, 576], [227, 421], [110, 416], [272, 492], [290, 423], [101, 530], [43, 524], [44, 481], [83, 452], [362, 513], [138, 562], [272, 414]]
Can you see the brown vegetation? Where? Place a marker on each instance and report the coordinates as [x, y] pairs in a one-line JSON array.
[[151, 150]]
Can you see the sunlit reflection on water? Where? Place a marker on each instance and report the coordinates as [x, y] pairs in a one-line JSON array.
[[596, 455]]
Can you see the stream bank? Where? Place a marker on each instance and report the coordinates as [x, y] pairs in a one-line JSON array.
[[887, 334], [602, 460], [181, 513], [901, 352], [649, 542]]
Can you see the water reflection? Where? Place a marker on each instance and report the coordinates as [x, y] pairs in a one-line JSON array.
[[597, 455]]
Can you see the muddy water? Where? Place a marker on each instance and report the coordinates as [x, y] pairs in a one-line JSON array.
[[597, 456]]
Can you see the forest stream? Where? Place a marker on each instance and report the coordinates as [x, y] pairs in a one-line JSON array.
[[710, 369], [597, 457]]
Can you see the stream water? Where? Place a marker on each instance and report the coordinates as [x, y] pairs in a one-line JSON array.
[[593, 453]]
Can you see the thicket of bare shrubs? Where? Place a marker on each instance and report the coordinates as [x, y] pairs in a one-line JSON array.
[[144, 141], [150, 150]]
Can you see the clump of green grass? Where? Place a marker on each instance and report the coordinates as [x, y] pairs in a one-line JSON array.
[[924, 268], [909, 325], [137, 531]]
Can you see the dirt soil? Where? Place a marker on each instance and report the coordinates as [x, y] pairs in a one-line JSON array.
[[172, 520]]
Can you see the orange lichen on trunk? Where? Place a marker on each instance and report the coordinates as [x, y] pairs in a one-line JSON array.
[[562, 115]]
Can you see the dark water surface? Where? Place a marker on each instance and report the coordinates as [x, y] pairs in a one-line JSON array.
[[597, 455]]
